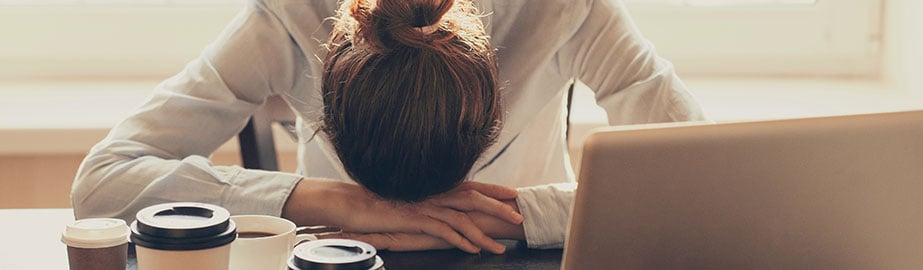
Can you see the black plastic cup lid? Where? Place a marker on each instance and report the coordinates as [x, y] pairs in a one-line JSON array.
[[183, 226], [339, 254]]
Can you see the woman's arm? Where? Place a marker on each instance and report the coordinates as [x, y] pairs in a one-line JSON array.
[[491, 225], [632, 83], [160, 152], [454, 219]]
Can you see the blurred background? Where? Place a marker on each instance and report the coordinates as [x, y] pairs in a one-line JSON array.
[[71, 69]]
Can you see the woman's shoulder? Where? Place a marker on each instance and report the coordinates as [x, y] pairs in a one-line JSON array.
[[301, 17], [544, 18], [324, 6], [552, 6], [539, 12]]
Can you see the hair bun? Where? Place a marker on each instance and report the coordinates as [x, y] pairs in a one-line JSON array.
[[384, 25]]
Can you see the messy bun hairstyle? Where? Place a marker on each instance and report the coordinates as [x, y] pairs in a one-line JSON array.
[[410, 94]]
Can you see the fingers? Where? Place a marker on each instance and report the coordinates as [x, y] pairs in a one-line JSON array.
[[462, 223], [472, 200], [442, 218], [397, 241], [426, 224], [490, 190]]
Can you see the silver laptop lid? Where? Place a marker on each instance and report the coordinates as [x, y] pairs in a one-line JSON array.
[[840, 192]]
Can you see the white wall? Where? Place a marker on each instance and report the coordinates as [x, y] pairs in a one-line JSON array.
[[904, 45]]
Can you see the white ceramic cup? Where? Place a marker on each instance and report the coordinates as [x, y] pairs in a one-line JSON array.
[[268, 252]]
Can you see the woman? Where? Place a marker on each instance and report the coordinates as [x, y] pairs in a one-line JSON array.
[[406, 102]]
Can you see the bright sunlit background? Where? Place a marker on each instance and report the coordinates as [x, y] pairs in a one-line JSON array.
[[71, 69]]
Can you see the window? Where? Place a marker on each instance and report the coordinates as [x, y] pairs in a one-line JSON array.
[[115, 2], [95, 38], [765, 37]]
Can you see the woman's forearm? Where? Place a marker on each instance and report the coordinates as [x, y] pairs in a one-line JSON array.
[[306, 203], [359, 212]]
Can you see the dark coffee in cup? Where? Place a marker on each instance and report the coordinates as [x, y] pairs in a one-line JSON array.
[[183, 236], [264, 242], [254, 234], [335, 254]]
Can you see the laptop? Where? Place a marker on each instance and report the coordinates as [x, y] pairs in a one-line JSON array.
[[842, 192]]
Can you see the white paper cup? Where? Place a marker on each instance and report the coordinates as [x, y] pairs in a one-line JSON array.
[[271, 250], [96, 243], [335, 254], [216, 258], [183, 236]]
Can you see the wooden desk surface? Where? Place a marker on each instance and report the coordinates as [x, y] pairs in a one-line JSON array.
[[30, 239]]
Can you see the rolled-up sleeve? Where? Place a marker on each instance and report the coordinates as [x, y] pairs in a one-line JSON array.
[[160, 152], [546, 210]]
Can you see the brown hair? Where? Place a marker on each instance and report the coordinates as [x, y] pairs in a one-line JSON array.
[[410, 93]]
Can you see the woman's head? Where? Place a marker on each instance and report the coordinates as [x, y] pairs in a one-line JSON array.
[[410, 93]]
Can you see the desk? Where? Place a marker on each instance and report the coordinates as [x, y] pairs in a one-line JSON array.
[[30, 239]]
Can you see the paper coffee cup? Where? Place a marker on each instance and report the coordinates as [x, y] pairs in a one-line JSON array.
[[96, 243], [335, 254], [183, 236]]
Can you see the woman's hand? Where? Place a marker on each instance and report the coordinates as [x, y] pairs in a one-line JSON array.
[[492, 226], [358, 211]]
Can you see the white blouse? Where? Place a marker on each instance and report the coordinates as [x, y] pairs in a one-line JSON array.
[[160, 152]]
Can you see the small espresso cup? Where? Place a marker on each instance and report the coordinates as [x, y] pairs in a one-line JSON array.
[[96, 243], [183, 236], [264, 242]]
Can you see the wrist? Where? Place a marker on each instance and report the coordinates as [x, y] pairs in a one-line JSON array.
[[306, 204]]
